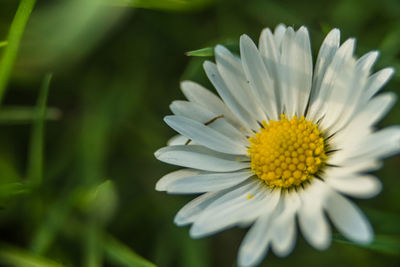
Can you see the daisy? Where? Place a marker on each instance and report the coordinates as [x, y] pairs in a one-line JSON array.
[[283, 141]]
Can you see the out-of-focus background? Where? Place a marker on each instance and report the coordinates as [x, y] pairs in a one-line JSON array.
[[77, 179]]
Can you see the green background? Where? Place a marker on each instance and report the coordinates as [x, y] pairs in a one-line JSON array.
[[116, 68]]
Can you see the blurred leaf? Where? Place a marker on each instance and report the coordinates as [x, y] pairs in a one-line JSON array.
[[93, 252], [174, 5], [50, 225], [35, 161], [14, 37], [3, 43], [11, 256], [20, 115], [233, 46], [390, 47], [203, 52], [80, 26], [12, 189], [100, 201], [384, 222], [122, 255], [389, 244]]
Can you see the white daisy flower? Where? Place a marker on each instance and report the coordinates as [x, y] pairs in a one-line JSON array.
[[283, 141]]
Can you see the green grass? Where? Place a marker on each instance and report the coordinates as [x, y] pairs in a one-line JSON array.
[[77, 170]]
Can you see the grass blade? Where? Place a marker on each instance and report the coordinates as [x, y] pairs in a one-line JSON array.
[[21, 115], [35, 163], [122, 255], [13, 40], [12, 256], [203, 52], [388, 244], [171, 5]]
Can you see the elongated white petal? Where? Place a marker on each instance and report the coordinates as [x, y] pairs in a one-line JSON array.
[[365, 186], [279, 33], [205, 98], [199, 157], [325, 56], [207, 182], [270, 54], [347, 168], [367, 61], [331, 78], [258, 77], [284, 225], [231, 71], [178, 140], [191, 211], [348, 219], [255, 244], [303, 69], [205, 135], [166, 180], [341, 92], [296, 71], [219, 84], [312, 220], [231, 209], [198, 113], [377, 81], [367, 117], [287, 82], [383, 143]]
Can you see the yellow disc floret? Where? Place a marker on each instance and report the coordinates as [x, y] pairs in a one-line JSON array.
[[286, 153]]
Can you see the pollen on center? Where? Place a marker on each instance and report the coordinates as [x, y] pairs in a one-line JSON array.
[[286, 153]]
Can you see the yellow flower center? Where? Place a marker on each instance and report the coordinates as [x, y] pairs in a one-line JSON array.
[[286, 153]]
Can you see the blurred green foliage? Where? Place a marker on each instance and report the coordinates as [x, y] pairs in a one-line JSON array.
[[77, 170]]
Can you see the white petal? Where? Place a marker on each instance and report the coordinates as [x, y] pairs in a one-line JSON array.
[[191, 211], [383, 143], [355, 168], [206, 182], [353, 96], [198, 113], [166, 180], [219, 84], [296, 71], [178, 140], [203, 97], [287, 83], [367, 61], [199, 157], [342, 91], [377, 81], [254, 246], [231, 71], [279, 33], [330, 79], [312, 221], [303, 68], [365, 186], [370, 114], [258, 76], [325, 56], [348, 218], [284, 225], [371, 147], [205, 135], [271, 58], [232, 208]]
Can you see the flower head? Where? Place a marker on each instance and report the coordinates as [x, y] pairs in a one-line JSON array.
[[283, 141]]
